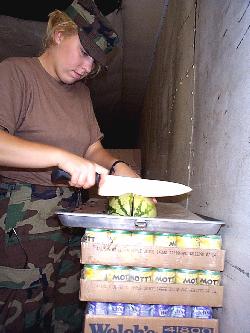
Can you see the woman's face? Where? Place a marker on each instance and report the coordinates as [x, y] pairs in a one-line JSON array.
[[71, 62]]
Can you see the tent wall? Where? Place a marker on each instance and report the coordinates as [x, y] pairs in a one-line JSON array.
[[196, 125]]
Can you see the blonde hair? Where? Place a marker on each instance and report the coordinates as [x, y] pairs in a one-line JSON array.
[[60, 21]]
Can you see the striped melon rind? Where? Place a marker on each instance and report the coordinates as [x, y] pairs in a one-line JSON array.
[[132, 205]]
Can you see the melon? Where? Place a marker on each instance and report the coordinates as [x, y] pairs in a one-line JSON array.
[[130, 204]]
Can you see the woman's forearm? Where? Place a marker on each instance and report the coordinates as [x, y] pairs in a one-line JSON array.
[[19, 153], [16, 152], [99, 155]]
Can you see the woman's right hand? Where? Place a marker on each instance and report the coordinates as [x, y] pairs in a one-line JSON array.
[[82, 171]]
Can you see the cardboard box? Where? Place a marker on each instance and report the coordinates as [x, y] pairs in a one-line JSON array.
[[112, 324], [151, 293], [151, 256]]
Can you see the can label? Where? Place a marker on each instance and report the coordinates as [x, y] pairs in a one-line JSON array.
[[212, 242], [202, 312], [161, 310], [164, 275], [118, 273], [96, 236], [209, 278], [120, 237], [97, 308], [187, 276], [91, 308], [165, 240], [95, 272], [132, 310], [116, 309], [141, 274], [145, 310], [188, 241], [180, 311], [142, 238]]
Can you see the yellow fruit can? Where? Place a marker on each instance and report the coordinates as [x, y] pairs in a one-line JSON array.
[[95, 272], [142, 238], [164, 275], [188, 241], [120, 237], [212, 242], [118, 273], [96, 236], [209, 278], [187, 276], [165, 239], [141, 274]]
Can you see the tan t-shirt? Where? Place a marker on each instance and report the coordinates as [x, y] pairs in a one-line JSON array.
[[36, 107]]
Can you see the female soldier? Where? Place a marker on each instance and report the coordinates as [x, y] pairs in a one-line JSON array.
[[46, 122]]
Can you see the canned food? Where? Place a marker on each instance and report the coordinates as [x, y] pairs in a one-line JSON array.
[[186, 276], [97, 308], [142, 238], [202, 312], [165, 239], [145, 310], [118, 273], [132, 310], [120, 237], [95, 272], [96, 236], [213, 242], [164, 275], [188, 241], [141, 274], [209, 278], [116, 309], [161, 310], [91, 308], [180, 311]]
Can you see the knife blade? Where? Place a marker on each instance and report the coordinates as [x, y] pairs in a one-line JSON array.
[[109, 185], [118, 185]]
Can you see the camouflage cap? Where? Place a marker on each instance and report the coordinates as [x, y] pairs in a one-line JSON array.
[[96, 34]]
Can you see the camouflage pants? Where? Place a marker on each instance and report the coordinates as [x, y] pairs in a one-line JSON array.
[[39, 261]]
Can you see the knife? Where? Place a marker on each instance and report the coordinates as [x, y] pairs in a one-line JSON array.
[[109, 185]]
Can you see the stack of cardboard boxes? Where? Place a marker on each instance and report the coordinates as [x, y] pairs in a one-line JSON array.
[[150, 292]]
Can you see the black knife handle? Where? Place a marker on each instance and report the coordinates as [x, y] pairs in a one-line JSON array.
[[59, 175]]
